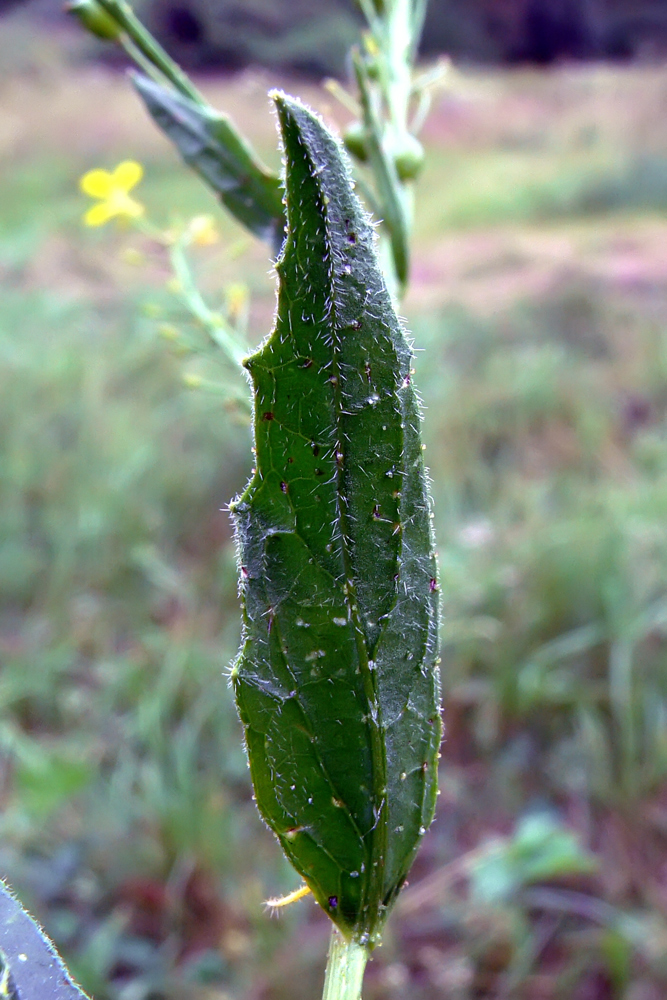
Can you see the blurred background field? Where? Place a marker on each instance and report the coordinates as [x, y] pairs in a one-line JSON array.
[[539, 311]]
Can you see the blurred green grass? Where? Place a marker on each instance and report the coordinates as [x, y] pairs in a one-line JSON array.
[[127, 822]]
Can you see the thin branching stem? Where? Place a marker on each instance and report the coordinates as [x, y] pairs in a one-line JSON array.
[[218, 329], [126, 19]]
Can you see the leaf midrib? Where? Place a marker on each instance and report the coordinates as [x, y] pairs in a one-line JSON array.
[[379, 833]]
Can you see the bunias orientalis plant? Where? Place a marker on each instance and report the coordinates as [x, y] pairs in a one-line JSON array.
[[391, 105], [337, 680]]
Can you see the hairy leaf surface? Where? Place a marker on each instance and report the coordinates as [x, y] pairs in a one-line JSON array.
[[30, 968], [209, 143], [336, 681]]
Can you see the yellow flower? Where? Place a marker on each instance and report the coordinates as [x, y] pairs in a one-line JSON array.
[[236, 296], [202, 231], [112, 189]]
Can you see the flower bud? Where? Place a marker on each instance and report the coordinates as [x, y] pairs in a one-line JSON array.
[[372, 56], [356, 141], [95, 18], [409, 159]]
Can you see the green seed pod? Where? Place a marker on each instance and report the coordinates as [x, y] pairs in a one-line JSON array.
[[356, 141], [409, 159], [95, 19]]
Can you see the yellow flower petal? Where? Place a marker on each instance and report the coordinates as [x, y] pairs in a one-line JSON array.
[[99, 214], [131, 208], [97, 183], [127, 175], [112, 190], [237, 299], [202, 231]]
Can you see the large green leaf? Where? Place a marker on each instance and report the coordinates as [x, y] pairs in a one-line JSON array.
[[336, 682], [209, 143], [30, 968]]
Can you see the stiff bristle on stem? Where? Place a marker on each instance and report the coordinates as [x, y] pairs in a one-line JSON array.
[[292, 897]]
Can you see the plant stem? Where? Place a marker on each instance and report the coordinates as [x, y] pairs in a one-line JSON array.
[[220, 332], [150, 49], [388, 185], [345, 968], [398, 50]]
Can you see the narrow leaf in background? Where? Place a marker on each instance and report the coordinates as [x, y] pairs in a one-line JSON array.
[[210, 144], [30, 968], [337, 682]]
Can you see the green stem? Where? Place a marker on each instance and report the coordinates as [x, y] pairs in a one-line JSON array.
[[398, 47], [137, 57], [385, 95], [395, 216], [150, 49], [220, 332], [345, 968]]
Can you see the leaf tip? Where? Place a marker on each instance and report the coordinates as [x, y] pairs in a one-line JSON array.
[[293, 109]]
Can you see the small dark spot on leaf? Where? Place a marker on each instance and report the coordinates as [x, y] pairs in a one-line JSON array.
[[290, 461], [316, 450], [308, 363], [352, 238], [376, 511], [333, 902], [267, 416], [356, 325], [319, 472], [367, 368], [283, 486], [433, 585]]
